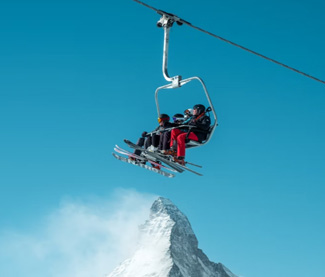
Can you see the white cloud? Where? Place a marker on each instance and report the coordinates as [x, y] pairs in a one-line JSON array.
[[79, 239]]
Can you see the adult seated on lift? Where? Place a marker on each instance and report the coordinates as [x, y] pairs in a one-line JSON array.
[[198, 130]]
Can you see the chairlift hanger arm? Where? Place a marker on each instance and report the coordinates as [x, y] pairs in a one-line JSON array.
[[166, 21]]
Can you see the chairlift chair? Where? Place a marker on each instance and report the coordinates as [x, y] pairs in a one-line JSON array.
[[166, 21]]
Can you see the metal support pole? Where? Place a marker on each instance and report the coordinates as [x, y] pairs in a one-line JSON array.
[[167, 22], [165, 54]]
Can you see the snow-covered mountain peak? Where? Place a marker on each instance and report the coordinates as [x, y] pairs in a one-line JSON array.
[[168, 247], [163, 207]]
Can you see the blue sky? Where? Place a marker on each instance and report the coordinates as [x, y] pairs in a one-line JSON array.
[[77, 77]]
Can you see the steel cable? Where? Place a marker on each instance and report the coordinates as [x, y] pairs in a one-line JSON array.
[[234, 44]]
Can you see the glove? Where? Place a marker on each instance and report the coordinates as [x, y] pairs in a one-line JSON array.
[[144, 134]]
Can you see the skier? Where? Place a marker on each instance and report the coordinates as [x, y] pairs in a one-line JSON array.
[[198, 129], [164, 145], [154, 141]]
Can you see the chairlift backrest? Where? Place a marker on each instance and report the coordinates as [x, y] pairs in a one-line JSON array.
[[193, 143]]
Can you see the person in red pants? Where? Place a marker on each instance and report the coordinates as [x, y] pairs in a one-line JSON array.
[[199, 126]]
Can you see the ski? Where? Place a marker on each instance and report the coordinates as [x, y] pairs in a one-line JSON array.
[[189, 169], [154, 155], [126, 160], [127, 153], [200, 166], [178, 167]]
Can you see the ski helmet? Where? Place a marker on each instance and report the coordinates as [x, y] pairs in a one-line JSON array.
[[200, 108], [188, 112], [178, 118], [163, 117]]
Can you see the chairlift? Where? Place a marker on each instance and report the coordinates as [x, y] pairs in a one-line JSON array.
[[166, 21]]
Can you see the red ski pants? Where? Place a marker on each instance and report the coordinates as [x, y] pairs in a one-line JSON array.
[[180, 137]]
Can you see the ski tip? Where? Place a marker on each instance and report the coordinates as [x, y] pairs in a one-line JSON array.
[[196, 165], [127, 141]]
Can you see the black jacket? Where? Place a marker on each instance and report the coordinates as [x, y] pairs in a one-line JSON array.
[[201, 125]]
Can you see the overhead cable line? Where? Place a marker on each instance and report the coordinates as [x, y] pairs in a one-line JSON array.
[[179, 20]]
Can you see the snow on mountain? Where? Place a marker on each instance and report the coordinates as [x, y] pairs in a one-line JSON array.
[[168, 247]]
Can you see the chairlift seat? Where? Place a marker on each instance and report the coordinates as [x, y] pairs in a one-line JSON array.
[[193, 143]]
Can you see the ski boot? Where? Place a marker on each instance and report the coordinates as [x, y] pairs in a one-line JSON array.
[[180, 160]]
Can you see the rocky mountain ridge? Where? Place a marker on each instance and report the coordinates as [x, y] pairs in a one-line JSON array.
[[168, 247]]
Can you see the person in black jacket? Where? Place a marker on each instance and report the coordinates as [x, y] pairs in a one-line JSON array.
[[153, 141], [198, 129], [164, 136]]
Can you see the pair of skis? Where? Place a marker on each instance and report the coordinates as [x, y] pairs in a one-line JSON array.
[[141, 161], [127, 160], [158, 161]]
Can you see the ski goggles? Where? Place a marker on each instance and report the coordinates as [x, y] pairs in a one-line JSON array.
[[180, 119], [162, 119]]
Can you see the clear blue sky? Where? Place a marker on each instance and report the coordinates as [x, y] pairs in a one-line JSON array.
[[77, 77]]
